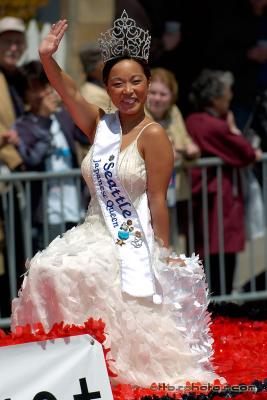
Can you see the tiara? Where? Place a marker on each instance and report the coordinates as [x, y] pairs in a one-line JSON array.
[[124, 39]]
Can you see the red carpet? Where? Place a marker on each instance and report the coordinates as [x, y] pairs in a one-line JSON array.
[[240, 349], [240, 356]]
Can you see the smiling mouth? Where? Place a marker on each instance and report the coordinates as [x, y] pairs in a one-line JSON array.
[[129, 101]]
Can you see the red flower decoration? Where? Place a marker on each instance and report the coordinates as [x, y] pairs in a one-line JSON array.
[[36, 333], [240, 353]]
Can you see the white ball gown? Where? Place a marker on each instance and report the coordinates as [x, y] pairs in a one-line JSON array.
[[78, 276]]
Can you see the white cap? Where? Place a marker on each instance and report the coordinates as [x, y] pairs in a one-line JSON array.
[[11, 24]]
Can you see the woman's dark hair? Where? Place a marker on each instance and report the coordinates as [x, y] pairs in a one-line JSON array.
[[33, 75], [208, 86], [109, 64]]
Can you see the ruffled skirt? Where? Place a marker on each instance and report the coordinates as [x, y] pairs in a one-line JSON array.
[[77, 276]]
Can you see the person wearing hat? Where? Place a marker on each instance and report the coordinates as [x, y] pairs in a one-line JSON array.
[[93, 89], [12, 46]]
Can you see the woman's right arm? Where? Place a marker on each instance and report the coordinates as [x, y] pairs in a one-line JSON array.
[[84, 114]]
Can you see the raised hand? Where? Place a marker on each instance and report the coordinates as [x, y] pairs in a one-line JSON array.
[[230, 119], [11, 137], [49, 103], [192, 151], [50, 43]]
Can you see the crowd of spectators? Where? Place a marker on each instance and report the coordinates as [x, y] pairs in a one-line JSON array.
[[46, 142], [12, 46], [214, 52], [214, 130]]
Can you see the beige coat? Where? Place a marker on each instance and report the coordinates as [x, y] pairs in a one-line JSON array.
[[175, 127], [96, 95], [8, 153]]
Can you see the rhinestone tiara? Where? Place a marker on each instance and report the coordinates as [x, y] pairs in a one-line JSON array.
[[125, 39]]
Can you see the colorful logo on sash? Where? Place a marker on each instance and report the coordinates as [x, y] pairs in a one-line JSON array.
[[127, 231]]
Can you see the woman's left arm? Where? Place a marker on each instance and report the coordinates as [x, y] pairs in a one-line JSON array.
[[158, 155]]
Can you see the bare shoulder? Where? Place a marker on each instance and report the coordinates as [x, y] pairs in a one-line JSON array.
[[154, 142], [154, 132], [154, 136]]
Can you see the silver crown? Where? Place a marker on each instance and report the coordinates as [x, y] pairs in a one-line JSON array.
[[125, 39]]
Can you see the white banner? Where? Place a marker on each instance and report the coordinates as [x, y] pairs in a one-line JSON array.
[[70, 368]]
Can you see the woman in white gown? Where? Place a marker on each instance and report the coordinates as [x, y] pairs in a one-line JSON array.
[[111, 266]]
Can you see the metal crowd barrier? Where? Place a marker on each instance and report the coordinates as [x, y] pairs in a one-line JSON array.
[[17, 218], [16, 202], [247, 260]]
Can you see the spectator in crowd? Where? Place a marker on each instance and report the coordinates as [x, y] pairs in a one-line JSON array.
[[241, 48], [161, 107], [12, 46], [214, 130], [93, 89], [46, 143]]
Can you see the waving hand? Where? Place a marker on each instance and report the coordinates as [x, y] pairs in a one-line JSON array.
[[50, 43], [85, 115]]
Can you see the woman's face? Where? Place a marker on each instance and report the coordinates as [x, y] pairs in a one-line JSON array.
[[127, 86], [222, 104], [159, 99]]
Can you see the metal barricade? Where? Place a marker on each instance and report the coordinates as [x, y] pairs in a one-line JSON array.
[[17, 212], [248, 271], [16, 201]]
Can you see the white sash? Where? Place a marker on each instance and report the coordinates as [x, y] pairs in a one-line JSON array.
[[130, 229]]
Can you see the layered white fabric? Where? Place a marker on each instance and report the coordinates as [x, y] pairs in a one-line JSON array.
[[78, 276]]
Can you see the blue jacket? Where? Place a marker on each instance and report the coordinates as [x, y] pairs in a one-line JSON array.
[[35, 138]]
